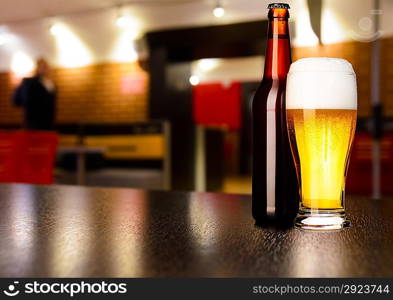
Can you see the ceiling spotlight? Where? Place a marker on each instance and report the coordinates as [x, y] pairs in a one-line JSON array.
[[122, 21], [126, 22], [57, 29], [194, 80], [218, 11]]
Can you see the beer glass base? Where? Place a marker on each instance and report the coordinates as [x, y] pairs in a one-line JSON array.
[[321, 220]]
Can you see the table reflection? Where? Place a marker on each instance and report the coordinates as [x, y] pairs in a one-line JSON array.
[[308, 259], [72, 235], [125, 233], [16, 218], [211, 225]]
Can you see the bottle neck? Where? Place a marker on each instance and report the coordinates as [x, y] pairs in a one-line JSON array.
[[278, 49]]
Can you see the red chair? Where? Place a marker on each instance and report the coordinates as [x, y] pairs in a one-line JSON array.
[[359, 179], [37, 158], [9, 149], [27, 156], [387, 164]]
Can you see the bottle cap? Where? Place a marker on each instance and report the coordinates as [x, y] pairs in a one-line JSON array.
[[278, 5]]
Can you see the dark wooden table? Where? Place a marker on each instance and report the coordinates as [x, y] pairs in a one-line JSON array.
[[61, 231]]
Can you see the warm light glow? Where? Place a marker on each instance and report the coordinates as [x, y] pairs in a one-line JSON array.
[[124, 49], [126, 22], [21, 64], [332, 29], [124, 46], [305, 35], [207, 64], [194, 80], [218, 12], [4, 38], [72, 52], [131, 33], [57, 29], [227, 70], [129, 25]]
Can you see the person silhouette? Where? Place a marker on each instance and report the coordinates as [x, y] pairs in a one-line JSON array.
[[37, 96]]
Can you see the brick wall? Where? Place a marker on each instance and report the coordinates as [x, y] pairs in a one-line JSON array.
[[8, 114], [99, 93], [102, 93], [359, 54]]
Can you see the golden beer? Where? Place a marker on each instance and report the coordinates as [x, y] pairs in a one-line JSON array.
[[322, 138], [321, 108]]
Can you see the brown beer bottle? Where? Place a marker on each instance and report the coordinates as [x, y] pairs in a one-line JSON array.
[[275, 192]]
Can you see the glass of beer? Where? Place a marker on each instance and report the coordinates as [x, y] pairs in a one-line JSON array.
[[321, 107]]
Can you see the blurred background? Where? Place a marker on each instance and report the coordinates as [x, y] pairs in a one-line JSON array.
[[156, 93]]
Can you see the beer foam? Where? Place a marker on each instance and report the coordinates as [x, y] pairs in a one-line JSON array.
[[321, 83]]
